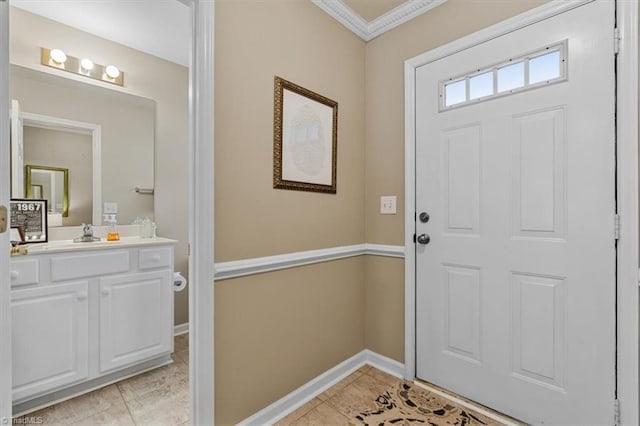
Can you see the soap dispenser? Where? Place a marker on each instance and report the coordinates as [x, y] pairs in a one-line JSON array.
[[112, 228]]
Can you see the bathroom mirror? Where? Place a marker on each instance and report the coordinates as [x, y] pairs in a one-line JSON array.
[[104, 138], [51, 184]]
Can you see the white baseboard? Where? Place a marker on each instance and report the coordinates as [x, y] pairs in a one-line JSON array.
[[181, 329], [383, 363], [305, 393]]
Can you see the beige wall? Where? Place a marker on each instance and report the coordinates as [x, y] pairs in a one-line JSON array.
[[147, 76], [255, 41], [385, 58], [127, 126], [276, 331], [55, 148], [384, 306]]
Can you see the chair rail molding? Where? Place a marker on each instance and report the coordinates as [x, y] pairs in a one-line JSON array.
[[258, 265], [367, 31]]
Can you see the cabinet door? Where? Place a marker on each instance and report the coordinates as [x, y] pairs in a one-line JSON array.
[[135, 318], [50, 337]]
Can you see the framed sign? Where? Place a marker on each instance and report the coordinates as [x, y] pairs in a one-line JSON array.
[[305, 139], [31, 217]]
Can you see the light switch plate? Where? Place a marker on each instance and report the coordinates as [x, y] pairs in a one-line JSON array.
[[388, 204], [110, 208]]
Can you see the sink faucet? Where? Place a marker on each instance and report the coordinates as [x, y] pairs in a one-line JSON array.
[[87, 230], [87, 235]]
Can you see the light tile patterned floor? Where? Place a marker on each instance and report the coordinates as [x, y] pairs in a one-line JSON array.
[[370, 396], [158, 397], [161, 397]]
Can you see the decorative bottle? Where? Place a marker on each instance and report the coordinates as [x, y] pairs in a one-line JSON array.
[[112, 229]]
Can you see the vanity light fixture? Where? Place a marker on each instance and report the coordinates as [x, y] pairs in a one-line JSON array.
[[112, 71], [86, 64], [56, 58]]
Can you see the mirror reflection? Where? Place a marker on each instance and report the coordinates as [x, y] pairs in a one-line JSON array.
[[51, 184], [104, 138]]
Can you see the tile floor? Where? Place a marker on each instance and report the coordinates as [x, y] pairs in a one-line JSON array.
[[158, 397], [370, 396], [161, 397]]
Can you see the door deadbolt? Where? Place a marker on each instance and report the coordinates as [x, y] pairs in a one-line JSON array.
[[424, 239], [424, 217]]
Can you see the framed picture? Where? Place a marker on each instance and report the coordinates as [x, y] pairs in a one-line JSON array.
[[305, 139], [31, 216]]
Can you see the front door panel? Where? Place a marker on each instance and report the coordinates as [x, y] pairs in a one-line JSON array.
[[516, 287]]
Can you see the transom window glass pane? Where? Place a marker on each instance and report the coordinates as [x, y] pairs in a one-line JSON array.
[[544, 67], [455, 93], [481, 85], [511, 77], [518, 73]]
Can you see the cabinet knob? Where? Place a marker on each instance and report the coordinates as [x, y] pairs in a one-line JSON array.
[[106, 292], [156, 258], [14, 275], [82, 295]]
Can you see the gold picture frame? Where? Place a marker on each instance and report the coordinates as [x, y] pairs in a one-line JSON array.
[[29, 186], [305, 139]]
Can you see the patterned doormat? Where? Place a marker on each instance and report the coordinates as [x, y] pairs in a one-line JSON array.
[[407, 404]]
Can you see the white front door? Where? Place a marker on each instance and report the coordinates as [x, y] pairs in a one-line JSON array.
[[515, 303]]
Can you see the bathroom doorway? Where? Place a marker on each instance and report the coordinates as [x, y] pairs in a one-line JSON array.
[[193, 144]]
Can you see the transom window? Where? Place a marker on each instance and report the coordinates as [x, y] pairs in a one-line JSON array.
[[537, 69]]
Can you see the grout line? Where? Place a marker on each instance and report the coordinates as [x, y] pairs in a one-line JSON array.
[[126, 404], [492, 415]]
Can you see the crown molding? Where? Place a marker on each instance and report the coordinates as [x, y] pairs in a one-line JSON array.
[[370, 30], [346, 16]]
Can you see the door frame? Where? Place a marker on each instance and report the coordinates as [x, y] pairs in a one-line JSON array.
[[201, 212], [5, 195], [627, 187], [201, 226]]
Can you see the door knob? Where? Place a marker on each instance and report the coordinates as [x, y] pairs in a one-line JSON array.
[[423, 239], [424, 217]]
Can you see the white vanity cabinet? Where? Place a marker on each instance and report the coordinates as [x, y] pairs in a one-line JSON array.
[[50, 337], [134, 324], [88, 314]]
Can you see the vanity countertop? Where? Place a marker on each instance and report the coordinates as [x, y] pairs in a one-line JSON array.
[[57, 246]]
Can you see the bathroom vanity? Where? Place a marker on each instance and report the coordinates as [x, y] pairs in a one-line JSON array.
[[88, 314]]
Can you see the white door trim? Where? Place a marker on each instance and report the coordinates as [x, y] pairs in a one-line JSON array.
[[627, 176], [201, 118], [627, 170], [5, 283]]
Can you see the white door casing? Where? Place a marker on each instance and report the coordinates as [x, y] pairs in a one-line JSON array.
[[515, 293], [5, 282]]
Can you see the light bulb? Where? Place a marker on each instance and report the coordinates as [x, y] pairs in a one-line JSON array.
[[58, 56], [112, 71], [86, 64]]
